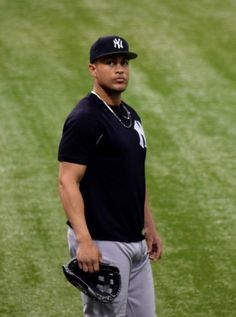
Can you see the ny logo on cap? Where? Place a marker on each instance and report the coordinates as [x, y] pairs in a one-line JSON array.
[[118, 43]]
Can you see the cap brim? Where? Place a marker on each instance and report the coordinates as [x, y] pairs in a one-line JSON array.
[[130, 55]]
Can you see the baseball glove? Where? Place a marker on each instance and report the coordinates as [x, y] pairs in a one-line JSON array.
[[102, 286]]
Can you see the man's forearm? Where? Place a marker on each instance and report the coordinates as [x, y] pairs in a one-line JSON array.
[[148, 217], [73, 204]]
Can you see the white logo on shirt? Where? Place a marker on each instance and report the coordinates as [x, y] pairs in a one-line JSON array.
[[142, 140]]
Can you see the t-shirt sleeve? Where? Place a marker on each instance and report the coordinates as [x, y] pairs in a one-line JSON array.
[[80, 134]]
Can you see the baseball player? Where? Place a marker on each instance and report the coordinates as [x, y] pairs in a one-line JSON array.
[[102, 185]]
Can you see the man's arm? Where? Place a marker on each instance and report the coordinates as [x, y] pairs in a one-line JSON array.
[[151, 235], [70, 176]]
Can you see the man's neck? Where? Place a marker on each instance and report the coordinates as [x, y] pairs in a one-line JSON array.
[[112, 98]]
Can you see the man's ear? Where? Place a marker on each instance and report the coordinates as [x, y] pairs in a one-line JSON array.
[[92, 69]]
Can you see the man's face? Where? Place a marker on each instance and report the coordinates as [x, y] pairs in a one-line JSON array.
[[111, 72]]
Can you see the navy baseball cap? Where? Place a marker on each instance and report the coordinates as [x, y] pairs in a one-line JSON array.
[[109, 45]]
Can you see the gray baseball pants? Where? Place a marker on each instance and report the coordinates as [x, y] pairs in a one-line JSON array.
[[136, 298]]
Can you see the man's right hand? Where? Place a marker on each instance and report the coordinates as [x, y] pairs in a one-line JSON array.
[[88, 256]]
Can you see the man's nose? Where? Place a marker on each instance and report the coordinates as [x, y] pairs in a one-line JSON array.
[[119, 68]]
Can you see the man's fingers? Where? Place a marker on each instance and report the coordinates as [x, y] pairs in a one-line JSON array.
[[88, 258], [84, 267], [155, 252], [80, 265], [96, 266], [149, 245], [91, 268]]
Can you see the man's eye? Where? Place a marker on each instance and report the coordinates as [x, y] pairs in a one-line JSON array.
[[125, 62], [110, 62]]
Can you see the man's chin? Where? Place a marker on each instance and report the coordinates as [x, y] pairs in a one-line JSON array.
[[115, 90], [120, 88]]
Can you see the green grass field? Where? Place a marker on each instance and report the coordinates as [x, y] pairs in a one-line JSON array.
[[183, 85]]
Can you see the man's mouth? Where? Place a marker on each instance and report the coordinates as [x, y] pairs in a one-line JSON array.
[[120, 79]]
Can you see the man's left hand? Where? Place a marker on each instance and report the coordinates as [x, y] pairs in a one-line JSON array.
[[154, 244]]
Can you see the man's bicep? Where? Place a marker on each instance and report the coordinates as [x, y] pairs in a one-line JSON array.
[[71, 172]]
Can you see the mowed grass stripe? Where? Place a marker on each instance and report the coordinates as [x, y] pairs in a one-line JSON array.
[[30, 214], [196, 178], [189, 191]]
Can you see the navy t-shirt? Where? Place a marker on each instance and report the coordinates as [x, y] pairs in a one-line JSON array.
[[113, 187]]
